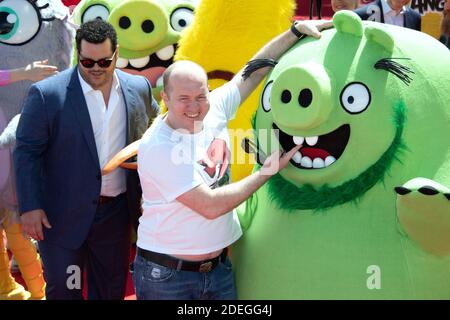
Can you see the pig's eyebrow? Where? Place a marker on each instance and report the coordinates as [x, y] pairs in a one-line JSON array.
[[256, 64], [400, 71]]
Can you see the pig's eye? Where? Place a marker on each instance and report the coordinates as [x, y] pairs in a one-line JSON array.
[[355, 97], [96, 11], [181, 18], [265, 97]]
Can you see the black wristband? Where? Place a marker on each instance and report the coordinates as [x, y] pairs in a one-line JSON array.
[[294, 30]]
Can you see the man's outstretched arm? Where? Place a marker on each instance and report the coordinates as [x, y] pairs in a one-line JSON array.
[[212, 203], [273, 50]]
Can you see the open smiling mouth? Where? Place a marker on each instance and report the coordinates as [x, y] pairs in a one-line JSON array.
[[297, 197], [151, 66], [318, 151]]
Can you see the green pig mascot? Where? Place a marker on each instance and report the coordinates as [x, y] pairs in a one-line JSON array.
[[147, 31], [363, 210]]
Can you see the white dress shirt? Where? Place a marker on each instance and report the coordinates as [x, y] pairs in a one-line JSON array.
[[109, 126], [391, 17]]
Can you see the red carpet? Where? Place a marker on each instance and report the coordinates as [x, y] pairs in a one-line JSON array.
[[129, 294]]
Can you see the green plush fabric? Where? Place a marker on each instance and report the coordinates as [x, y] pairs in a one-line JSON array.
[[372, 102], [147, 31], [286, 194]]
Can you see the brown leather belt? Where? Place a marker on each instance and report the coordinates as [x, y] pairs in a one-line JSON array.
[[174, 263]]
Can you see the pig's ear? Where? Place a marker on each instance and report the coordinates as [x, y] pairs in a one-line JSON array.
[[380, 36], [346, 21]]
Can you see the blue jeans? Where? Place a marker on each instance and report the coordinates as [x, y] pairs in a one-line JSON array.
[[155, 282]]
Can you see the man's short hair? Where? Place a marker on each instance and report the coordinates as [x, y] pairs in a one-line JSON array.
[[187, 64], [166, 76], [96, 31]]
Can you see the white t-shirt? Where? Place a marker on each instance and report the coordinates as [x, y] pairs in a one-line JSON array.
[[170, 164]]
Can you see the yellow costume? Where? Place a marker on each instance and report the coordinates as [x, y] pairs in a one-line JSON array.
[[223, 37], [29, 264]]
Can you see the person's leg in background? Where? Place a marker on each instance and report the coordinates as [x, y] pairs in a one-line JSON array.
[[27, 258], [9, 288]]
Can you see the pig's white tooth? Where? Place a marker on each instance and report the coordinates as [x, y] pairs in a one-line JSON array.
[[121, 63], [298, 140], [329, 160], [318, 163], [306, 162], [297, 157], [311, 141], [140, 62], [166, 53]]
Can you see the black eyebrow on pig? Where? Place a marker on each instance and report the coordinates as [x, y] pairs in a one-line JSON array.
[[397, 69], [256, 64]]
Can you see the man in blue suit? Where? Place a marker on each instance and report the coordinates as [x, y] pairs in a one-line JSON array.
[[391, 12], [71, 125]]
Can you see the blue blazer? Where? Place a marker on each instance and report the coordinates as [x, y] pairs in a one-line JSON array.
[[55, 158], [375, 10]]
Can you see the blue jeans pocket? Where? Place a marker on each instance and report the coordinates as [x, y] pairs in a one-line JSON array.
[[226, 264], [156, 273]]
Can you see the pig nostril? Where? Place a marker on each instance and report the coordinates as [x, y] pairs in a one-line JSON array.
[[305, 98], [124, 22], [286, 96], [148, 26]]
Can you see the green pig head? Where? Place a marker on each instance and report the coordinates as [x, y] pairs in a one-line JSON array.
[[345, 97], [147, 31]]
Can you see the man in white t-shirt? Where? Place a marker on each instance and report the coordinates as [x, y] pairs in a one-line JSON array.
[[188, 217]]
